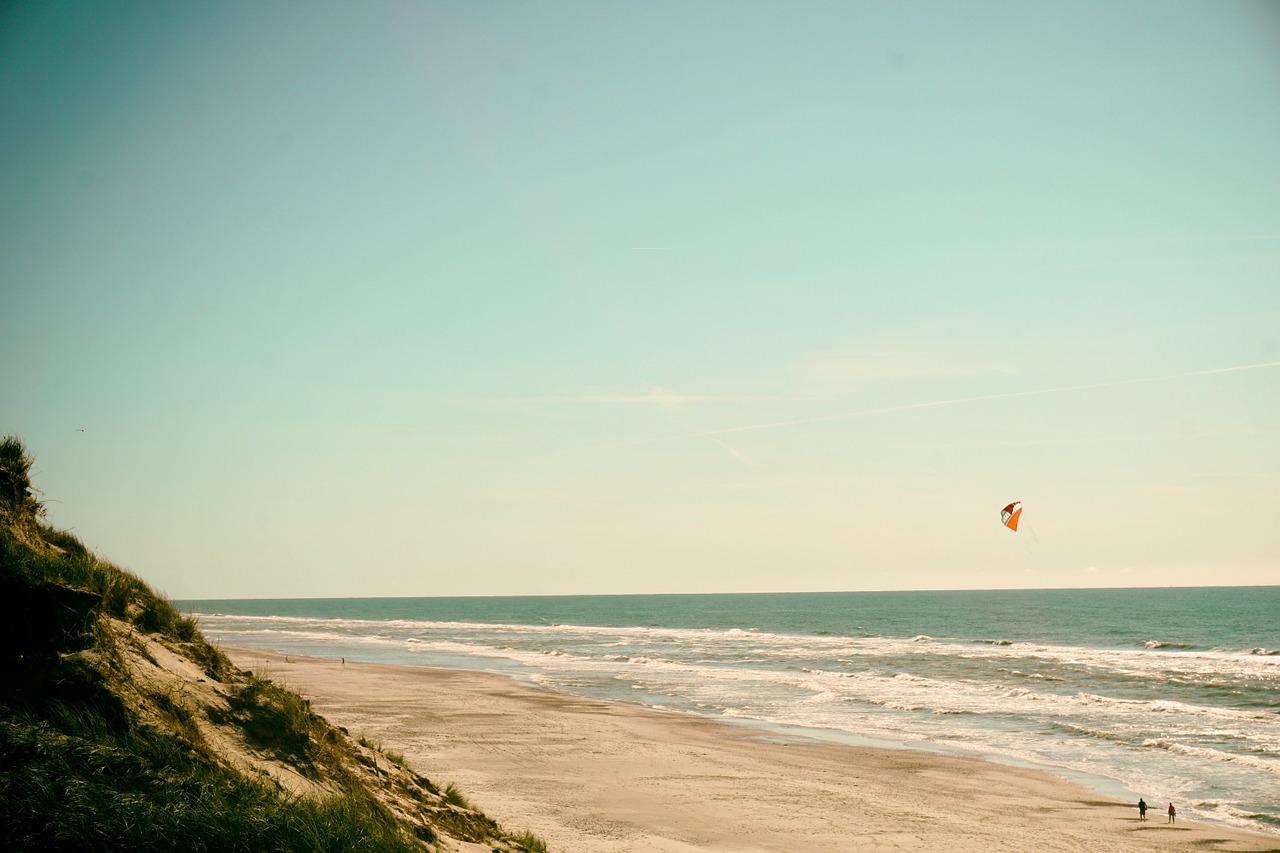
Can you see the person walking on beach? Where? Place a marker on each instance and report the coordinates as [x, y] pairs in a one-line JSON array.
[[1173, 814], [1142, 809]]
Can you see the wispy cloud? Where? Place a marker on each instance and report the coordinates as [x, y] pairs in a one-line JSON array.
[[732, 452], [657, 397], [833, 373], [664, 397], [906, 407]]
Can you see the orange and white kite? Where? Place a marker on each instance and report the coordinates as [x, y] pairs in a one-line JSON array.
[[1009, 515]]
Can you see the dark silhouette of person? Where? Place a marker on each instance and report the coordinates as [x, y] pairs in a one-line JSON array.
[[1173, 814], [1142, 809]]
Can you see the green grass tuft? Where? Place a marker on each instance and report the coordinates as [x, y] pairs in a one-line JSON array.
[[18, 504], [529, 842], [453, 796]]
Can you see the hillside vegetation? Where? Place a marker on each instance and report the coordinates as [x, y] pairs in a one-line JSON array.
[[121, 728]]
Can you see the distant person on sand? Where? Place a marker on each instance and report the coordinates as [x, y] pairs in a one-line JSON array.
[[1142, 809], [1173, 814]]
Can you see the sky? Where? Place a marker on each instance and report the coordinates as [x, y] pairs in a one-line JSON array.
[[449, 298]]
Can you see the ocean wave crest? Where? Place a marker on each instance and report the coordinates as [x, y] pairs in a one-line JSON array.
[[1085, 731], [1163, 644], [1213, 754]]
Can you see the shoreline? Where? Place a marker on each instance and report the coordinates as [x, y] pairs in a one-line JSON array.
[[597, 777], [1099, 785]]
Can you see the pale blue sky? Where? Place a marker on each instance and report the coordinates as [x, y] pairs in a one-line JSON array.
[[507, 298]]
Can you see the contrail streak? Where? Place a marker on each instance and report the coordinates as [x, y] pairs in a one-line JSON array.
[[906, 407], [735, 454]]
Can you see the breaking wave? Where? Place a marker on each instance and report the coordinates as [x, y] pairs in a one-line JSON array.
[[1161, 644]]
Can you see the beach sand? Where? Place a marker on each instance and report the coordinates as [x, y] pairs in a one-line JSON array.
[[596, 777]]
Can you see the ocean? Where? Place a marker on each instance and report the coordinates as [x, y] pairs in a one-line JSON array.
[[1171, 694]]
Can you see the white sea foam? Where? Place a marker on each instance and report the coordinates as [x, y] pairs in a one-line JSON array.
[[1135, 662], [1256, 762], [1159, 716]]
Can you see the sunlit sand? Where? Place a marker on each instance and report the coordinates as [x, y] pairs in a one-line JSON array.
[[592, 777]]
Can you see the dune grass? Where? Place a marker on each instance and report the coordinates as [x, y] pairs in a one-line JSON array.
[[79, 771], [454, 796], [530, 842], [88, 785], [76, 772]]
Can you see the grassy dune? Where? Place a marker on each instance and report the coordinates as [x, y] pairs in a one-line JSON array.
[[121, 728]]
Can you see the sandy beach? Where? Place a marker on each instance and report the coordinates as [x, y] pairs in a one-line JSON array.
[[594, 777]]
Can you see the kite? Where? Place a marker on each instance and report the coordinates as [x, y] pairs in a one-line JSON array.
[[1009, 515]]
